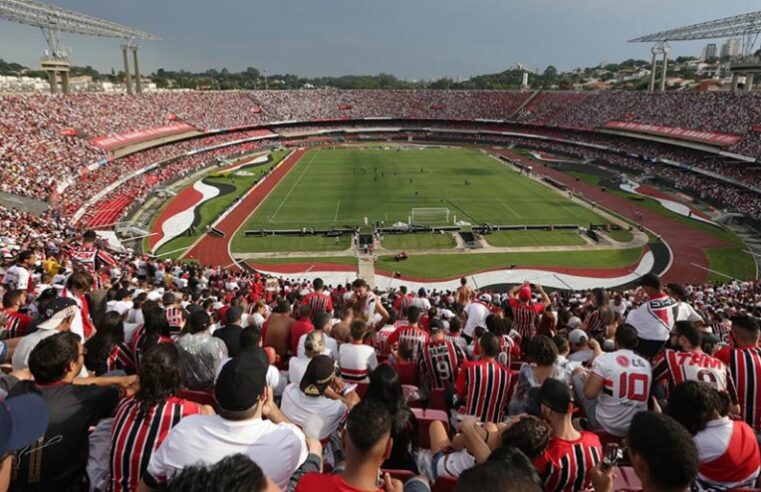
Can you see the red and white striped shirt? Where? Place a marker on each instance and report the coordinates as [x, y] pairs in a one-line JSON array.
[[137, 434], [564, 465], [441, 362], [319, 302], [677, 367], [745, 367], [89, 258], [525, 317], [485, 386], [412, 335]]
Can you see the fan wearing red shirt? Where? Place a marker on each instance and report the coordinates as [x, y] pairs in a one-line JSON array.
[[301, 326], [484, 384], [570, 454], [17, 324], [412, 334], [690, 363], [525, 314], [367, 442], [744, 362], [402, 302], [318, 300]]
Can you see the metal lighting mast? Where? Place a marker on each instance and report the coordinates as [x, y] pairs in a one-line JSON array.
[[54, 20], [746, 26]]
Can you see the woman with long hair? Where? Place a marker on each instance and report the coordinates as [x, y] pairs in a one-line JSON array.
[[143, 421], [106, 351], [155, 330], [386, 388], [200, 353], [601, 315]]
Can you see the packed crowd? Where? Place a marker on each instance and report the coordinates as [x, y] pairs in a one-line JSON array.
[[127, 372]]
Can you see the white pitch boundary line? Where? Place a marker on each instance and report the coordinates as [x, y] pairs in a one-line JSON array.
[[298, 180], [508, 207], [338, 206]]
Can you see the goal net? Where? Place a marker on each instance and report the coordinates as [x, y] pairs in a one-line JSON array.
[[430, 215]]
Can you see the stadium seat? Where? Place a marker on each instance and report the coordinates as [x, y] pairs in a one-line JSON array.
[[200, 397], [402, 475], [438, 400], [444, 484], [424, 418], [626, 480]]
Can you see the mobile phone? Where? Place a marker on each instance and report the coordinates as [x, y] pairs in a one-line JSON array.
[[611, 455]]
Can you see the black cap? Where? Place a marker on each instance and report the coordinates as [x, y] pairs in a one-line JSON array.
[[650, 280], [240, 383], [233, 314], [556, 395], [320, 319], [122, 293], [54, 313], [319, 373]]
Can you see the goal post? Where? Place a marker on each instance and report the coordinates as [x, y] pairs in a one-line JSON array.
[[430, 215]]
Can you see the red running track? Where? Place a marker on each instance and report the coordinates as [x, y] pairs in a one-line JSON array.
[[213, 250], [687, 243]]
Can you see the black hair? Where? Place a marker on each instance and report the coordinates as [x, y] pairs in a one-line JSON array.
[[561, 343], [197, 322], [80, 280], [746, 326], [489, 343], [236, 473], [506, 469], [110, 332], [358, 329], [667, 448], [688, 330], [626, 337], [159, 374], [368, 422], [11, 297], [250, 337], [542, 351], [156, 325], [318, 284], [413, 314], [50, 358], [529, 434], [693, 405]]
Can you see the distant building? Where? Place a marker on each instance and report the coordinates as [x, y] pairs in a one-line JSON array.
[[731, 47], [710, 51]]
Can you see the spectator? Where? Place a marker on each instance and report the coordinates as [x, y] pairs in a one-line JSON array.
[[411, 334], [301, 326], [277, 329], [475, 314], [106, 351], [236, 473], [544, 365], [314, 345], [727, 449], [317, 300], [144, 420], [200, 352], [57, 317], [356, 359], [481, 399], [278, 447], [441, 360], [526, 314], [513, 471], [321, 322], [230, 333], [23, 420]]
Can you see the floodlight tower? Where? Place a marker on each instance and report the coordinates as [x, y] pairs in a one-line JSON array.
[[54, 20], [666, 50], [655, 50]]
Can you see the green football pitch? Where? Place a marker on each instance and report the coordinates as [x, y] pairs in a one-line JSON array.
[[341, 187]]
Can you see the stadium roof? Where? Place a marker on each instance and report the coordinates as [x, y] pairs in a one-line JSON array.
[[51, 17], [739, 25]]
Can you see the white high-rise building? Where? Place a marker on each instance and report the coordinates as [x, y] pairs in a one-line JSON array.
[[710, 51], [731, 47]]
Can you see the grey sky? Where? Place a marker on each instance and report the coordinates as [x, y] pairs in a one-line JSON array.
[[408, 38]]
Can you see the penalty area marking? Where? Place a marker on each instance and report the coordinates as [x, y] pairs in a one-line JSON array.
[[508, 207]]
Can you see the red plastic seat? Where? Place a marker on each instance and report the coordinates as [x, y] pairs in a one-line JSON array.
[[425, 418], [444, 484], [438, 400]]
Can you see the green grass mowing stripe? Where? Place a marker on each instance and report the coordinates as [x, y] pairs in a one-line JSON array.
[[730, 261], [387, 184], [269, 244], [622, 236], [418, 241], [451, 265], [333, 260], [534, 238]]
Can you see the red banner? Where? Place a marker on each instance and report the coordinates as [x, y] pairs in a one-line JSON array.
[[713, 138], [115, 141], [437, 106], [756, 128], [69, 132], [344, 107]]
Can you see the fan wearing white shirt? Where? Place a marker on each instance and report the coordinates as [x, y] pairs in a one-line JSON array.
[[314, 344], [277, 446], [356, 359], [321, 322]]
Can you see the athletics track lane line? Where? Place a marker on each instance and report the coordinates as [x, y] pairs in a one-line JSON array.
[[213, 250]]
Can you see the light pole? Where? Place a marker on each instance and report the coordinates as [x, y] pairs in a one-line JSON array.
[[266, 85]]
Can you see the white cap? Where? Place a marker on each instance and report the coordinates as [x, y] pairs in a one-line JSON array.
[[578, 336], [484, 298]]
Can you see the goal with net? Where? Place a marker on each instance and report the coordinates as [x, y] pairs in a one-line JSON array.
[[429, 215]]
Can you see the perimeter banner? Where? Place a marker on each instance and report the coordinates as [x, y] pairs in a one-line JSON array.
[[713, 138], [116, 141]]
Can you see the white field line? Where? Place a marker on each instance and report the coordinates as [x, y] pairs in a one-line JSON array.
[[338, 206], [287, 196], [508, 207]]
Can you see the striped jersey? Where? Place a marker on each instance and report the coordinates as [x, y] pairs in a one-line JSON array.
[[174, 316], [745, 367], [137, 434], [121, 358], [319, 302], [441, 361], [506, 348], [595, 326], [485, 386], [16, 324], [414, 336], [525, 317], [564, 465], [89, 258], [677, 367]]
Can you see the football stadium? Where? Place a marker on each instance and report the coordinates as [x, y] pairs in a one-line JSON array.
[[244, 281]]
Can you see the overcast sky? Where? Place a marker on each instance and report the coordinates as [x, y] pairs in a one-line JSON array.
[[411, 39]]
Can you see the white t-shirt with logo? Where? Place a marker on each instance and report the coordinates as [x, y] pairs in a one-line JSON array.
[[477, 314], [626, 388], [279, 449]]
